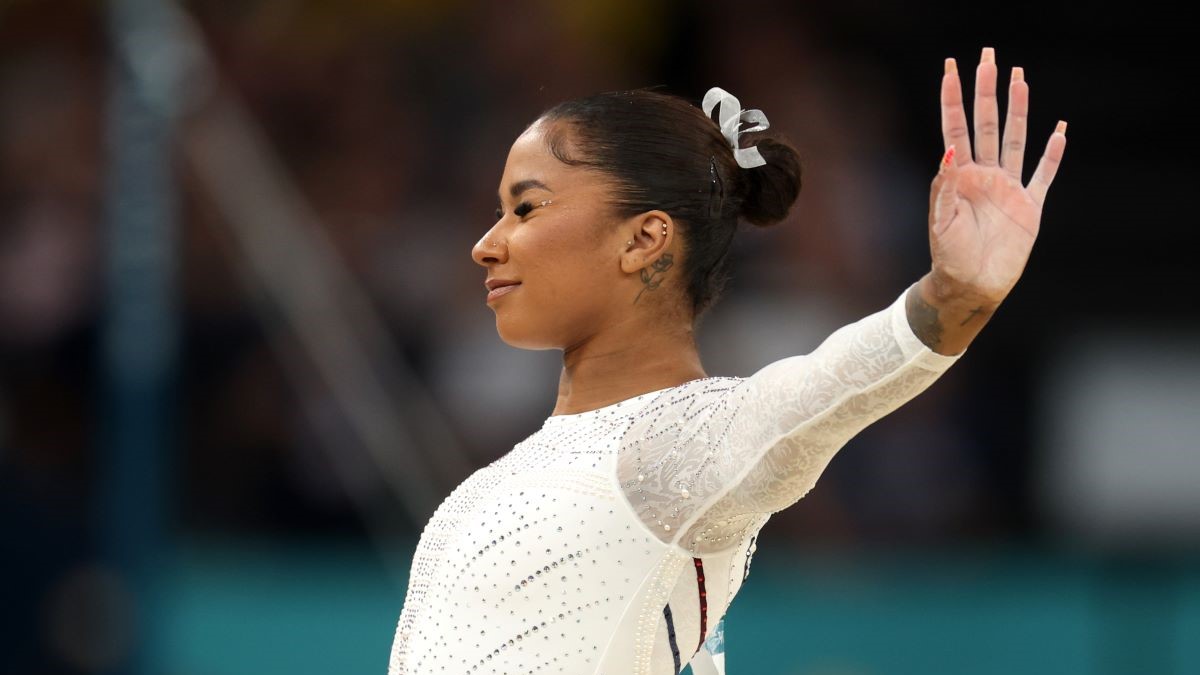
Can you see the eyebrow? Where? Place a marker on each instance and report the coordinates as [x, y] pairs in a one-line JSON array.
[[528, 184]]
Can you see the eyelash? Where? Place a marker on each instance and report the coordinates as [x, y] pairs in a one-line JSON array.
[[522, 210]]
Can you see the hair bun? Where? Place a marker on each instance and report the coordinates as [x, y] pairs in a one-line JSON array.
[[771, 189]]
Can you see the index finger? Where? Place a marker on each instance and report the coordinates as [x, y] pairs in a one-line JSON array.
[[954, 118]]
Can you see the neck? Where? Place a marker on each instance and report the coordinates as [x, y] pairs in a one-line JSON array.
[[624, 362]]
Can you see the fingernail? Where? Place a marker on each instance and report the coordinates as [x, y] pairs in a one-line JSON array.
[[1018, 74], [951, 66], [948, 156], [989, 55], [1061, 128]]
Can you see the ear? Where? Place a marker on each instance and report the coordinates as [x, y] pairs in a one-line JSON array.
[[652, 234]]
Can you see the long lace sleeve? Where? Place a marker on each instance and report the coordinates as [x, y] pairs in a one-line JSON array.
[[760, 446], [799, 411]]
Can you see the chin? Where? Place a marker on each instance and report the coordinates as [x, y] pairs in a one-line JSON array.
[[522, 336]]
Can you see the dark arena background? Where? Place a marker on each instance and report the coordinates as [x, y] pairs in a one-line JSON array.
[[244, 352]]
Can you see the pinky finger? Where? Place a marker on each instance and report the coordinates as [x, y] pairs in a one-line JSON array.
[[1048, 166]]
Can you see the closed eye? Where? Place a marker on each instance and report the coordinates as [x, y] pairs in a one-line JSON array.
[[521, 211]]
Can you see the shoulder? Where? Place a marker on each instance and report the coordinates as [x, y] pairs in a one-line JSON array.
[[697, 396], [692, 408]]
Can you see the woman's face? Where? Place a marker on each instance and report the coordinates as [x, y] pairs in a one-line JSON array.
[[565, 256]]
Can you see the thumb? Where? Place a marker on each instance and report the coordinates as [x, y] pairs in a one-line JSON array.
[[945, 195]]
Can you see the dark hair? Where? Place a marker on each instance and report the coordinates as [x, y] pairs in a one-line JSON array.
[[664, 153]]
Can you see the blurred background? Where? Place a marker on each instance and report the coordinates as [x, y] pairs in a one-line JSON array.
[[244, 351]]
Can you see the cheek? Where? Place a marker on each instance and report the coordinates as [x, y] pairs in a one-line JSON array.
[[566, 269]]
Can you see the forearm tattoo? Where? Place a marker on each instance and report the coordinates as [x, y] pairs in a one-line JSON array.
[[653, 280]]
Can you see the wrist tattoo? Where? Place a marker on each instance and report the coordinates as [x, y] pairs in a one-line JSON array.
[[653, 280], [923, 318], [975, 311]]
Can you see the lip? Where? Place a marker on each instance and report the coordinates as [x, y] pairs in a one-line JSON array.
[[496, 282], [502, 290]]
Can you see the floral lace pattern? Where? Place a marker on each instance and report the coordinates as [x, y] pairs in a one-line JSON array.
[[705, 461]]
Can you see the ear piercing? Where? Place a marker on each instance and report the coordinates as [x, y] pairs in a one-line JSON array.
[[630, 242]]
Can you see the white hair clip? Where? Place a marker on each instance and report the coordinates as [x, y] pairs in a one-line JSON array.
[[731, 118]]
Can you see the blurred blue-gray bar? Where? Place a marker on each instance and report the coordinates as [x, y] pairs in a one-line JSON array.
[[140, 330]]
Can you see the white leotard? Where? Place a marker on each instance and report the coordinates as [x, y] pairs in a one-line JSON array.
[[612, 541]]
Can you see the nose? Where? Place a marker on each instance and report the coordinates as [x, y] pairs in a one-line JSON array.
[[489, 250]]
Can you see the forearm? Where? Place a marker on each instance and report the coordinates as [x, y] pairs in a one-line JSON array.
[[945, 317], [795, 414]]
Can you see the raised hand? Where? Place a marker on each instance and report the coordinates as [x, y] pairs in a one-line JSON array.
[[982, 220]]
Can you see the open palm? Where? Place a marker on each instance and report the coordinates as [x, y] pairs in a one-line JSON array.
[[982, 220]]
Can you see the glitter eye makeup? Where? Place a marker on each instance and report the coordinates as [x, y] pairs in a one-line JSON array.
[[522, 209]]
